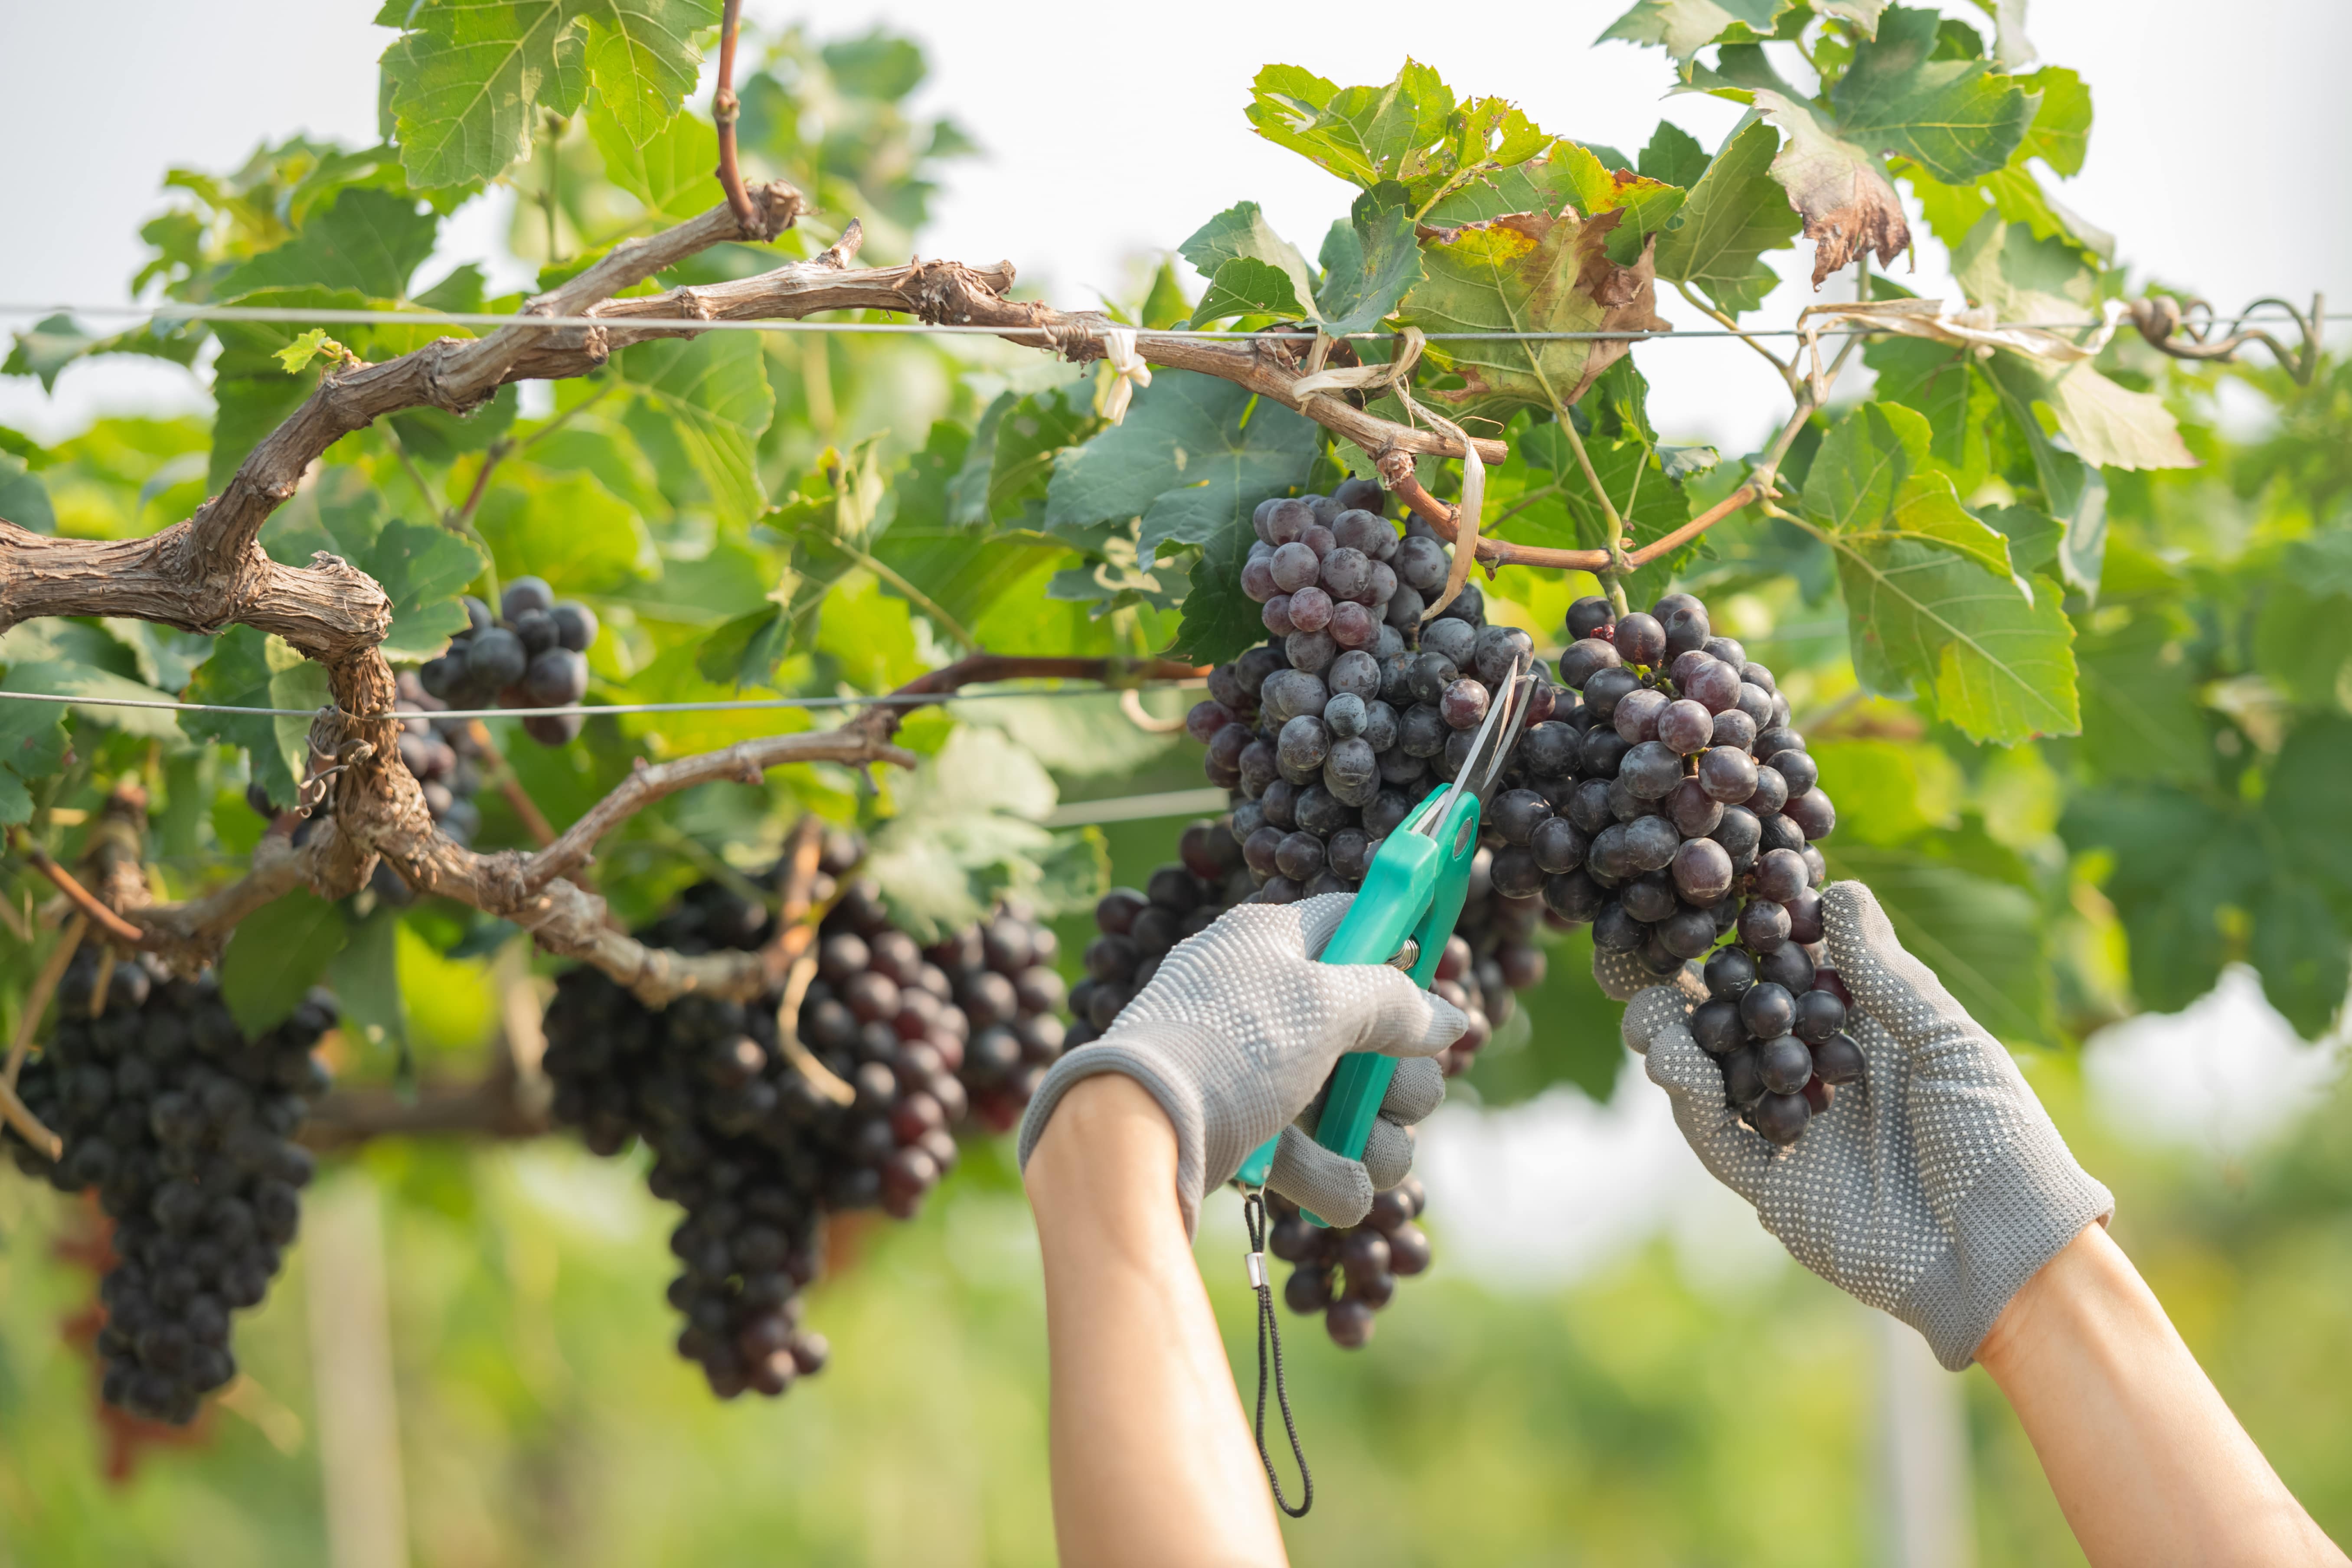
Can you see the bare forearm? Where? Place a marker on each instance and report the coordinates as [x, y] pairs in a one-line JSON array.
[[1152, 1458], [2145, 1459]]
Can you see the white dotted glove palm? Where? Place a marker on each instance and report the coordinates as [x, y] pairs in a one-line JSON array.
[[1235, 1035], [1934, 1187]]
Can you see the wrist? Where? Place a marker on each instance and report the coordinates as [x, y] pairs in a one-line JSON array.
[[2056, 1293], [1108, 1152]]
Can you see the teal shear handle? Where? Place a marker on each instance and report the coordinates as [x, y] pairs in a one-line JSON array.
[[1411, 898]]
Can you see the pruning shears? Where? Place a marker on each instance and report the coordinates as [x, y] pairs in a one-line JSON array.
[[1403, 914]]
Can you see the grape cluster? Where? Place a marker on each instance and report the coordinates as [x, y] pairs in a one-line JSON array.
[[1674, 806], [1776, 1025], [534, 654], [1349, 1274], [1333, 731], [754, 1150], [1137, 928], [182, 1126]]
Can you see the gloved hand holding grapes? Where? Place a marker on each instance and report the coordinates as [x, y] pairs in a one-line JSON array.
[[1933, 1187], [1234, 1037]]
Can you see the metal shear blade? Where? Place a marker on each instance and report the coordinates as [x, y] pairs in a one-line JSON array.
[[1506, 711]]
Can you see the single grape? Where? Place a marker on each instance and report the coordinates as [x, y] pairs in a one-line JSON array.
[[1354, 671], [1352, 626], [1780, 1117], [1712, 684], [1798, 768], [1557, 844], [1432, 673], [1586, 658], [1778, 832], [1637, 714], [1649, 897], [1702, 874], [1604, 753], [1779, 876], [1351, 774], [1405, 607], [1310, 651], [1756, 703], [1725, 774], [1260, 849], [1814, 814], [1588, 804], [495, 659], [1550, 750], [1686, 629], [1735, 730], [1349, 1322], [1589, 614], [1421, 565], [1730, 975], [1303, 743], [1819, 1015], [1498, 650], [1363, 529], [1756, 675], [1299, 855], [1687, 932], [1694, 812], [1763, 925], [1770, 793], [1785, 1064], [1463, 704], [1518, 813], [1657, 957], [1716, 1026], [1788, 966], [1838, 1059], [1650, 770], [1650, 843], [1380, 723], [1346, 573], [1773, 737], [526, 594], [1615, 930], [1359, 493], [1311, 607], [1685, 726], [1573, 895], [1274, 616], [575, 626], [1640, 639], [1805, 916], [1767, 1009], [1515, 874], [1351, 853], [1626, 804], [1739, 832]]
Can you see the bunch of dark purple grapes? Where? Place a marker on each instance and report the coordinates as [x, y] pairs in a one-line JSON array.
[[1776, 1024], [534, 654], [185, 1128], [1331, 733], [1347, 1274], [756, 1149]]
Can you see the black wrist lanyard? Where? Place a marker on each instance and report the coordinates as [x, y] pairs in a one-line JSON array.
[[1269, 1342]]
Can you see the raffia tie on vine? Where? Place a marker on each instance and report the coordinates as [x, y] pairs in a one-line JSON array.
[[1396, 376], [1975, 328]]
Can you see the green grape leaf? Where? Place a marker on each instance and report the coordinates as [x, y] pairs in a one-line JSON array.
[[1862, 13], [62, 678], [45, 348], [668, 173], [1957, 119], [2023, 279], [2305, 788], [2060, 132], [1528, 272], [421, 568], [1939, 383], [570, 529], [968, 831], [23, 499], [1363, 285], [701, 404], [1682, 28], [1890, 792], [463, 83], [2177, 863], [1220, 622], [1953, 211], [1842, 191], [277, 955], [249, 669], [643, 60], [366, 979], [1984, 939], [1363, 134], [1247, 287], [1647, 204], [166, 658], [1195, 454], [1241, 233], [1931, 596], [369, 242], [1735, 212], [1010, 459], [2139, 716], [2303, 628], [1673, 156], [2302, 952], [251, 390], [2036, 540], [32, 747], [2073, 491]]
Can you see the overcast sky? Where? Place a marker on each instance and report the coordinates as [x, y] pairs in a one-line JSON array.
[[1109, 131]]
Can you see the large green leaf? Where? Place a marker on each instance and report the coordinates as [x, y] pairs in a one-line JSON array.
[[421, 568], [701, 404], [2139, 717], [369, 242], [1984, 939], [1363, 282], [1959, 119], [1685, 26], [366, 978], [32, 747], [2306, 797], [249, 669], [462, 86], [252, 389], [280, 951], [669, 171], [1410, 131], [2060, 132], [1241, 233], [2177, 863], [1528, 272], [1931, 596], [966, 832], [1220, 622], [61, 679], [570, 529], [643, 60], [2302, 952], [47, 346], [1195, 454], [2303, 630], [1734, 214]]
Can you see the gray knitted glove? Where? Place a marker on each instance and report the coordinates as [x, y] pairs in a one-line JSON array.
[[1932, 1189], [1235, 1035]]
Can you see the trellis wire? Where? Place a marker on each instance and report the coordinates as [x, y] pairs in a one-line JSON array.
[[287, 314], [755, 704]]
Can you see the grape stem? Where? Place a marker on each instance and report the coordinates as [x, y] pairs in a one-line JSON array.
[[1493, 553], [36, 1002], [534, 821], [116, 928]]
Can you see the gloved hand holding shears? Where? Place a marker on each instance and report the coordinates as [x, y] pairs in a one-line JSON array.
[[1237, 1031]]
